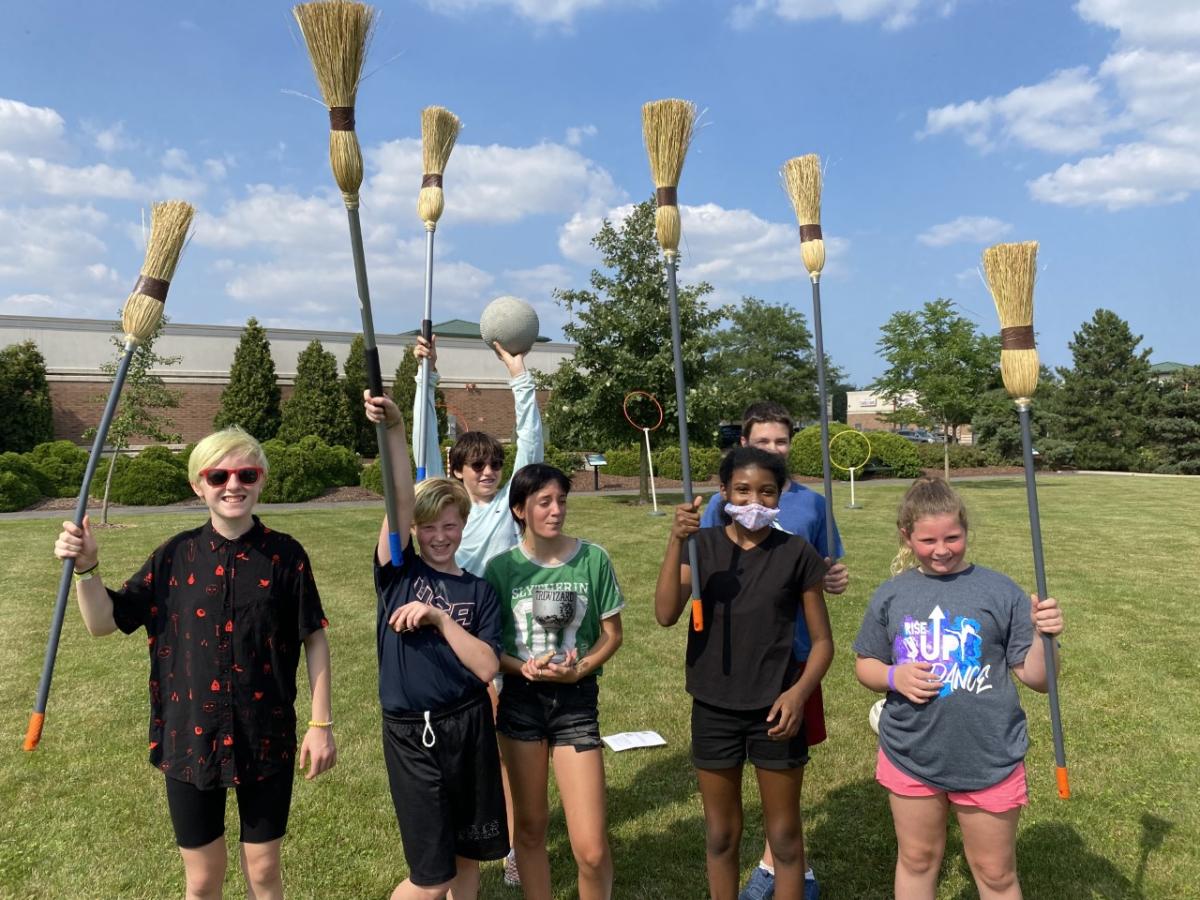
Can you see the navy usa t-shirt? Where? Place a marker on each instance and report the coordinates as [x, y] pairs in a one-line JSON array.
[[418, 670]]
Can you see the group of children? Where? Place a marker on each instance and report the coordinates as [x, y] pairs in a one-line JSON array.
[[480, 693]]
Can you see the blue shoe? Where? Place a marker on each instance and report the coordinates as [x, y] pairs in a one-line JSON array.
[[812, 890], [761, 886]]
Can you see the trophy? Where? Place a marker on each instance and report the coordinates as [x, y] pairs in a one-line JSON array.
[[553, 609]]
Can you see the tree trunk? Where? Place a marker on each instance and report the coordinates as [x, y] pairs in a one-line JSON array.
[[643, 472], [112, 467], [946, 449]]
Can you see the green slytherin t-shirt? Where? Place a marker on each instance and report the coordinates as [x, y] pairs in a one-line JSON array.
[[586, 579]]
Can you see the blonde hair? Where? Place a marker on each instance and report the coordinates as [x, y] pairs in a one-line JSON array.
[[927, 496], [434, 495], [214, 448]]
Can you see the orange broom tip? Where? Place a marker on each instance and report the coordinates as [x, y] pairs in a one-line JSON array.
[[697, 614], [1064, 786], [33, 734]]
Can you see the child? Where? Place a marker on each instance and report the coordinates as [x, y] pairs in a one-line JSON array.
[[748, 696], [226, 608], [438, 630], [768, 426], [548, 709], [940, 638]]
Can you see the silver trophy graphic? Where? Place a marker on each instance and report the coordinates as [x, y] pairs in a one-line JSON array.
[[554, 609]]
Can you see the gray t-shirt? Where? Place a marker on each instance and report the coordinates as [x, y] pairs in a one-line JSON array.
[[972, 627]]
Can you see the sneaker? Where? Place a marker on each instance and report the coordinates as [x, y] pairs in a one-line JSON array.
[[812, 890], [512, 877], [761, 886]]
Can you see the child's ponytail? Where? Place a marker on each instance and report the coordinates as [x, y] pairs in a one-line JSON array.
[[927, 496]]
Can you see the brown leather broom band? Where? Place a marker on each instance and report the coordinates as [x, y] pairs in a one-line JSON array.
[[341, 118], [431, 180], [154, 288], [810, 233], [667, 196], [1017, 337]]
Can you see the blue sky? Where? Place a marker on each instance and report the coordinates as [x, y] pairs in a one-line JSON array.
[[945, 125]]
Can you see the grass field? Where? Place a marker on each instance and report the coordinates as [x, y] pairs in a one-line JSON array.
[[84, 816]]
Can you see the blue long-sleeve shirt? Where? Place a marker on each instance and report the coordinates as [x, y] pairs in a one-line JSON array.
[[490, 528]]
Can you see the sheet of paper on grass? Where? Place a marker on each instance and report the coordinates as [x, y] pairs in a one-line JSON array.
[[628, 740]]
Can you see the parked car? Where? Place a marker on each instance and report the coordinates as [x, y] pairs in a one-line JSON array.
[[918, 436]]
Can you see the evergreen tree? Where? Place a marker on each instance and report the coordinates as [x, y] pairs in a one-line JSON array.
[[404, 389], [318, 403], [997, 428], [25, 398], [1106, 396], [1175, 425], [622, 332], [251, 399], [353, 385]]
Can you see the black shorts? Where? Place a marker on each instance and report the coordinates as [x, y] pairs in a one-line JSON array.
[[198, 816], [444, 772], [563, 715], [725, 738]]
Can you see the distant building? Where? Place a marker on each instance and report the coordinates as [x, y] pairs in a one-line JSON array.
[[1166, 371], [473, 381], [864, 408]]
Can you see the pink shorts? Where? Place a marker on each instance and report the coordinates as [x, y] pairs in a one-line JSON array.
[[1010, 793]]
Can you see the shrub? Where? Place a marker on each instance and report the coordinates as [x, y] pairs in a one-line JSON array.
[[567, 460], [62, 464], [962, 456], [888, 452], [668, 462], [147, 481], [336, 466], [16, 491], [371, 477], [25, 398], [164, 454], [294, 475]]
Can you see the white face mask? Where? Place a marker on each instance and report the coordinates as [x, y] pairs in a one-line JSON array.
[[751, 516]]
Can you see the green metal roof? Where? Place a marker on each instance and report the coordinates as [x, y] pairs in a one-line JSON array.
[[1163, 368], [459, 328]]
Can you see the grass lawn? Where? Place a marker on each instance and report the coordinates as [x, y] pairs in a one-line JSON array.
[[85, 816]]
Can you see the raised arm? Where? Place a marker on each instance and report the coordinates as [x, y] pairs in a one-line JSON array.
[[383, 409], [530, 442], [425, 405]]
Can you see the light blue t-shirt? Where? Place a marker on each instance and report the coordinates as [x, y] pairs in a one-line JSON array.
[[801, 512], [490, 528]]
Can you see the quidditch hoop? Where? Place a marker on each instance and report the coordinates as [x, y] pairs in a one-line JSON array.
[[630, 419]]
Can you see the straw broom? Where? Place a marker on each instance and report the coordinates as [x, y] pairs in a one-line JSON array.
[[439, 131], [667, 131], [802, 180], [337, 33], [1010, 270], [169, 224]]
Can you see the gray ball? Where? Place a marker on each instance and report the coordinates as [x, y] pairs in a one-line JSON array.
[[510, 321]]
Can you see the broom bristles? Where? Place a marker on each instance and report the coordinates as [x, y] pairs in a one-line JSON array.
[[439, 131], [1010, 270], [337, 34], [667, 131], [802, 181], [169, 224]]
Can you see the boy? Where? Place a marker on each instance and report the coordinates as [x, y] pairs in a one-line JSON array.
[[226, 607], [768, 426], [438, 631]]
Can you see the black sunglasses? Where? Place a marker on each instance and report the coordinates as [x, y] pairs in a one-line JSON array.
[[479, 466], [217, 477]]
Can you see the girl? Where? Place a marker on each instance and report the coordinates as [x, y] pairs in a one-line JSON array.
[[747, 701], [548, 708], [226, 608], [940, 638]]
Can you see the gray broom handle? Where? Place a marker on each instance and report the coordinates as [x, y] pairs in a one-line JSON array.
[[427, 333], [819, 341], [681, 402], [1039, 571], [374, 382], [68, 565]]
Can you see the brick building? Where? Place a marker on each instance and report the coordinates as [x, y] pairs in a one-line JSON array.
[[474, 382]]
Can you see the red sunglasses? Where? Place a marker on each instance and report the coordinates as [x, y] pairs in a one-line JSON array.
[[217, 477]]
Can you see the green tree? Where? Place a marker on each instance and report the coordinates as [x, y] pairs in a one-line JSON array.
[[997, 428], [251, 399], [1106, 395], [318, 403], [144, 399], [938, 365], [1175, 425], [765, 353], [404, 389], [353, 385], [622, 332], [25, 398]]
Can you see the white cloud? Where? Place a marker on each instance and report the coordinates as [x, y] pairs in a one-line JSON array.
[[1064, 114], [542, 12], [965, 230], [1145, 21], [1132, 175], [110, 140], [576, 135], [30, 129], [894, 14], [274, 216], [176, 159]]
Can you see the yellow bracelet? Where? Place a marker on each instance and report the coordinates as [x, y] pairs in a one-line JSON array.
[[313, 723], [87, 573]]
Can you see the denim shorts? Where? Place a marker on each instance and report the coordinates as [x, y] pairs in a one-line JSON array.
[[563, 715]]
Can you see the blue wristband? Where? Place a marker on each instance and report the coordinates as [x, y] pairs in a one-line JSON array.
[[891, 678]]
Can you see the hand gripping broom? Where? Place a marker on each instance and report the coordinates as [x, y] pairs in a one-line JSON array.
[[1010, 271], [802, 180], [337, 33], [439, 131], [667, 131], [169, 223]]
